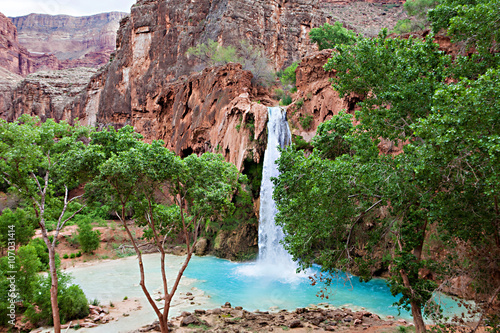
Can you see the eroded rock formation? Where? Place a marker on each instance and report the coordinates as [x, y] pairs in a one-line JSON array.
[[46, 94]]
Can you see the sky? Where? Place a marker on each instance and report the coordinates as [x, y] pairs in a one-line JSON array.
[[14, 8]]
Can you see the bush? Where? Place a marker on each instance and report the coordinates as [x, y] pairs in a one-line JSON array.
[[288, 76], [65, 256], [212, 53], [252, 58], [21, 222], [405, 26], [306, 121], [42, 253], [279, 93], [89, 239], [72, 301], [299, 103], [286, 100], [72, 256]]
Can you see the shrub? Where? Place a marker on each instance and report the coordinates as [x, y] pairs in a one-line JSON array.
[[288, 77], [252, 58], [299, 103], [279, 93], [407, 25], [286, 100], [65, 256], [72, 256], [23, 223], [89, 239], [72, 301], [306, 121]]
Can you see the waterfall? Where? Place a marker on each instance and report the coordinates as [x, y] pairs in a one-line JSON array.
[[270, 235], [274, 262]]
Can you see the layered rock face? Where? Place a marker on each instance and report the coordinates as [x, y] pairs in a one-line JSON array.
[[16, 58], [46, 94], [89, 39], [211, 111], [145, 84]]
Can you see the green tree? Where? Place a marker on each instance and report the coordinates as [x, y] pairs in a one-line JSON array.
[[40, 162], [475, 26], [327, 35], [385, 73], [201, 189], [21, 222], [445, 179], [288, 76]]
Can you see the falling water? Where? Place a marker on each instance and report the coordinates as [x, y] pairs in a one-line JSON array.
[[274, 261], [270, 249]]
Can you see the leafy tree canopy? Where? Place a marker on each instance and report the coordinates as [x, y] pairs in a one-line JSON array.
[[327, 35]]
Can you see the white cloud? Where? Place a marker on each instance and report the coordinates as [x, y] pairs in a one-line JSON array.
[[69, 7]]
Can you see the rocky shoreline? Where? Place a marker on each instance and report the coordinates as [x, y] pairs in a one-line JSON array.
[[321, 318]]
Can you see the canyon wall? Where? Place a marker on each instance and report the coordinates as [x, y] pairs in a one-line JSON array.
[[90, 38], [16, 58]]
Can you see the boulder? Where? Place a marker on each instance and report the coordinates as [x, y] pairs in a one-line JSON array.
[[201, 247], [189, 320]]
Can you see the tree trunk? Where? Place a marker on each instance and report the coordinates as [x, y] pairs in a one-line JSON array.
[[53, 290], [418, 320]]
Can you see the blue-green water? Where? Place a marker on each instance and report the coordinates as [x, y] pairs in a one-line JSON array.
[[227, 281]]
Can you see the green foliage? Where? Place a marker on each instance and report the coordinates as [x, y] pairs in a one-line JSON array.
[[19, 223], [300, 143], [251, 57], [405, 26], [212, 53], [88, 238], [387, 72], [42, 252], [306, 121], [328, 36], [476, 24], [299, 103], [419, 8], [72, 302], [286, 100], [445, 181], [332, 138], [288, 76]]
